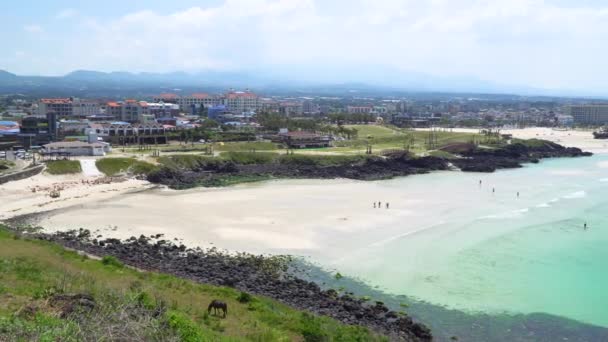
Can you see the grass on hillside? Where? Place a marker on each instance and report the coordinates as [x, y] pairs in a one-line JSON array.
[[373, 130], [246, 146], [386, 138], [137, 306], [115, 166], [63, 167]]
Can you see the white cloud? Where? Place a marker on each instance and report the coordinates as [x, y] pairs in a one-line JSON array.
[[33, 29], [66, 13], [532, 42]]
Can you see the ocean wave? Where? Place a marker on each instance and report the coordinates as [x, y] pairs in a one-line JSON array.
[[399, 236], [508, 214], [543, 205], [575, 195]]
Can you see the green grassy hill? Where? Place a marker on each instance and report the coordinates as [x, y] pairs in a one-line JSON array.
[[50, 294]]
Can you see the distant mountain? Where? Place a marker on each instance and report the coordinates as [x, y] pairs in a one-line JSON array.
[[328, 80], [5, 75]]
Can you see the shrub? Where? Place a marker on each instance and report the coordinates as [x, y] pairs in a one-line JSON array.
[[187, 330], [244, 297], [109, 260], [115, 166], [311, 329], [63, 167]]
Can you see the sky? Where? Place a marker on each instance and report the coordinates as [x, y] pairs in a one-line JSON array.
[[549, 44]]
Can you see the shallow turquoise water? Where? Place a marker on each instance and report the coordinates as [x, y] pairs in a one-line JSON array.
[[496, 253]]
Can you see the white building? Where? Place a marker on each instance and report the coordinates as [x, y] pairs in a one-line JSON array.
[[77, 148], [84, 108], [242, 101]]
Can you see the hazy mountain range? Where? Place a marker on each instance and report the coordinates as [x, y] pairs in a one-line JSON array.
[[377, 82]]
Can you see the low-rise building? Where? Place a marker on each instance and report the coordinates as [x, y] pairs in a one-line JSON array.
[[76, 148], [302, 139], [359, 109]]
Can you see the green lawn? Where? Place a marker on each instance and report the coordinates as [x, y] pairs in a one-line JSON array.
[[137, 306], [116, 166], [374, 130], [63, 167], [245, 146]]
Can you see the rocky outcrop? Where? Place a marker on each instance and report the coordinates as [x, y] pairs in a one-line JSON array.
[[513, 156], [371, 168], [267, 276], [469, 158]]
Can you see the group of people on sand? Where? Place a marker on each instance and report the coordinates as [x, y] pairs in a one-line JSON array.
[[379, 205]]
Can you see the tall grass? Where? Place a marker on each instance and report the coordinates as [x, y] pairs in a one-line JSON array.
[[63, 167], [137, 306], [116, 166]]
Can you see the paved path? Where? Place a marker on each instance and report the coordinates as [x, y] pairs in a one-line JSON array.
[[89, 168]]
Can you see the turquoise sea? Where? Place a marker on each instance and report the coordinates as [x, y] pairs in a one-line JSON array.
[[500, 255]]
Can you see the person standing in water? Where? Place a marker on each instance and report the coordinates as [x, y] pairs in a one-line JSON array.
[[386, 205], [493, 190], [518, 194], [585, 226]]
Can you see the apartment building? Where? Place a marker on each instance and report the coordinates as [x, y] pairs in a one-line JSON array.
[[359, 109], [588, 114], [61, 107], [84, 108], [291, 108], [242, 101], [190, 103], [162, 110], [114, 110]]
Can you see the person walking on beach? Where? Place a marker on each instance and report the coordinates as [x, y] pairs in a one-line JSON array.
[[379, 204], [518, 194], [374, 205], [387, 205], [493, 190]]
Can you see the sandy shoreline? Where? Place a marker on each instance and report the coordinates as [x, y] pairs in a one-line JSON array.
[[19, 198], [252, 217]]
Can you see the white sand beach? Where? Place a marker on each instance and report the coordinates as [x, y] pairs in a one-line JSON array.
[[32, 195]]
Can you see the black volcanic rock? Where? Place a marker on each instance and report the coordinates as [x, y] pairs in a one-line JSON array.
[[266, 276]]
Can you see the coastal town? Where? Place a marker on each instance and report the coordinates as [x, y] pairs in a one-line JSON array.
[[303, 170]]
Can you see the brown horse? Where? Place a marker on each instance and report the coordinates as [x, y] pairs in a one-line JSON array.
[[218, 305]]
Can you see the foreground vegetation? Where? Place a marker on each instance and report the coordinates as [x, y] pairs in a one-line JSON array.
[[6, 165], [63, 167], [116, 166], [116, 303]]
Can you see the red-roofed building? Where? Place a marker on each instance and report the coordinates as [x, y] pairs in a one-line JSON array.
[[167, 97], [61, 107], [242, 101], [114, 110]]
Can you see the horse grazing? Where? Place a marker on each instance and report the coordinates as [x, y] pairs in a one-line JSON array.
[[218, 305]]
